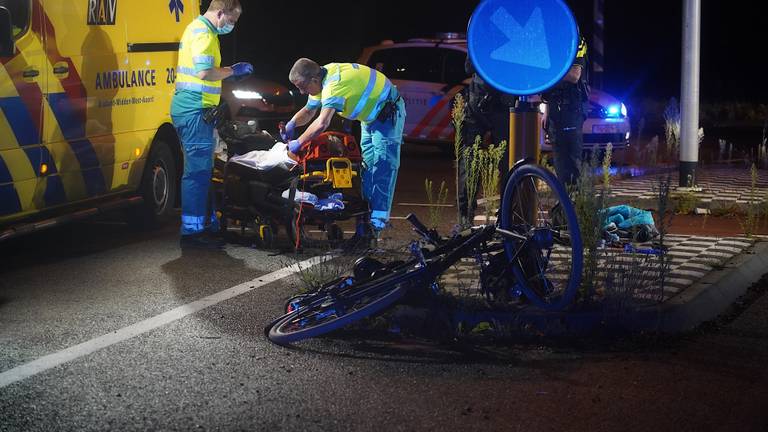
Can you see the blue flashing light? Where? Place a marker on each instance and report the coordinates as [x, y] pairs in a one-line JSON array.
[[614, 111]]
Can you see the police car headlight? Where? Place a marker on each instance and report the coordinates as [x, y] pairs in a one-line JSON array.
[[623, 110], [243, 94], [543, 108], [613, 110]]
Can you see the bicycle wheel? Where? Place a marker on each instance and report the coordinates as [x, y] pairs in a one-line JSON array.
[[345, 306], [547, 266]]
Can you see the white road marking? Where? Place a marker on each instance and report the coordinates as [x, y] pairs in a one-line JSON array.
[[424, 205], [72, 353]]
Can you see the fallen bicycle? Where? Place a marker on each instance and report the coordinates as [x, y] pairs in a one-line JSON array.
[[533, 250]]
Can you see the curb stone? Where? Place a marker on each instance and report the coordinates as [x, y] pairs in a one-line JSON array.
[[703, 301]]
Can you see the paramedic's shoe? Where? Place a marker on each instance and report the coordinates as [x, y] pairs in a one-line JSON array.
[[200, 241]]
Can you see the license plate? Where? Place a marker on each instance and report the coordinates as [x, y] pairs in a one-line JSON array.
[[605, 129]]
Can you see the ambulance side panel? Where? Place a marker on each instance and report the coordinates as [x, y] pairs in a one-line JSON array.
[[106, 78]]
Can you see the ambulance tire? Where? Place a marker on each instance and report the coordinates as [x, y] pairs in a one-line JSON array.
[[159, 188]]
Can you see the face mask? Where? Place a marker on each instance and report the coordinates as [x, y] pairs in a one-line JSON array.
[[226, 29]]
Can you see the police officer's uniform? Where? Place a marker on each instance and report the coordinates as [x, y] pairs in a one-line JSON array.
[[487, 111], [566, 112]]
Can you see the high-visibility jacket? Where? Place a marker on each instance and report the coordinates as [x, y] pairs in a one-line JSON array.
[[355, 91], [199, 51]]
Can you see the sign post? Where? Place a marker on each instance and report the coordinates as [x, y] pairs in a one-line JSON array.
[[522, 47]]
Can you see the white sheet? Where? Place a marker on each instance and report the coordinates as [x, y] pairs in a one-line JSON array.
[[265, 160]]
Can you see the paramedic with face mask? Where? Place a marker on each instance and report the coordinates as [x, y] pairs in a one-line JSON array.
[[198, 90], [360, 93]]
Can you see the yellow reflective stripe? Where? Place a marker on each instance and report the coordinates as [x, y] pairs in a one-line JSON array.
[[196, 34], [582, 50], [198, 87]]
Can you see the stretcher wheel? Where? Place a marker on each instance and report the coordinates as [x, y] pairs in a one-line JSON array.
[[266, 236], [335, 234]]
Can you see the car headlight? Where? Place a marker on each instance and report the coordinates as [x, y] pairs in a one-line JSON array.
[[623, 110], [244, 94], [543, 108]]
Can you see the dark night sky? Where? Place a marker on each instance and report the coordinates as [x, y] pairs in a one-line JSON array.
[[642, 39]]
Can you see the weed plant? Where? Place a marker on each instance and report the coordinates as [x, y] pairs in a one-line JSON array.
[[436, 200], [672, 128], [749, 225], [472, 165], [587, 202], [458, 114], [489, 176]]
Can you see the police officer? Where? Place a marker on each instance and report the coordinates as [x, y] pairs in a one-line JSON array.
[[360, 93], [198, 90], [487, 116], [566, 113]]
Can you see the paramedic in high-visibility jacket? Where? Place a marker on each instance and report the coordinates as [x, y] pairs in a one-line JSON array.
[[355, 92], [198, 90]]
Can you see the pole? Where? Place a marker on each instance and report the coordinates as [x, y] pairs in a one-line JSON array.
[[689, 107], [524, 132], [598, 47]]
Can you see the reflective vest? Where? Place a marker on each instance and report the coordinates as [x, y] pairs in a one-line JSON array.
[[198, 51], [355, 91]]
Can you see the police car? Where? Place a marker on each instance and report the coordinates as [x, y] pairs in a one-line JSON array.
[[429, 73]]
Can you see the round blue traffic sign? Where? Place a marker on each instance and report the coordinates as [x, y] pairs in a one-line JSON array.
[[522, 47]]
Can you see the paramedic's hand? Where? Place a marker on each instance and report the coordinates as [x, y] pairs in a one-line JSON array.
[[294, 146], [287, 130], [241, 69]]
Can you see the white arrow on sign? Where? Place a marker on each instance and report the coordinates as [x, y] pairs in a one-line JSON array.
[[527, 45]]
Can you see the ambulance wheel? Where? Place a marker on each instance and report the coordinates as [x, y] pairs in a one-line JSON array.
[[159, 188], [335, 234]]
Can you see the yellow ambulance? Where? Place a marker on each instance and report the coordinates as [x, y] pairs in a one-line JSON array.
[[85, 94]]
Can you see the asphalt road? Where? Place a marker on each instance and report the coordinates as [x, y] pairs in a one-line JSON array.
[[210, 368]]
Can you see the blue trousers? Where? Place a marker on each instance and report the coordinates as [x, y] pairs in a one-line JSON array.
[[380, 143], [197, 141], [564, 127]]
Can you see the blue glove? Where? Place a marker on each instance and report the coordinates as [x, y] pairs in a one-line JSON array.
[[294, 146], [241, 69], [288, 133]]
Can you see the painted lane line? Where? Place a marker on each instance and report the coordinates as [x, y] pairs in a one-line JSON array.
[[72, 353], [424, 205]]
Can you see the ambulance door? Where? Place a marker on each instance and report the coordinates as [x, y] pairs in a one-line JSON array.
[[23, 160], [78, 129], [416, 71]]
